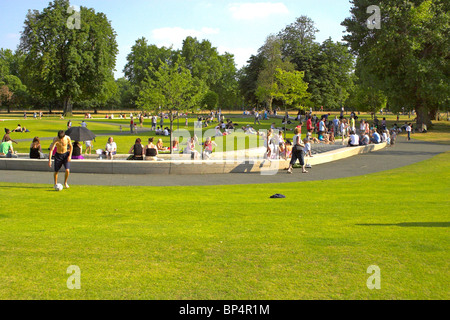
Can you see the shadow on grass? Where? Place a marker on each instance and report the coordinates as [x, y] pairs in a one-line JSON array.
[[19, 187], [409, 224]]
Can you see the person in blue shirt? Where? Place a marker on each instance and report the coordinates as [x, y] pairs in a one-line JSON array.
[[376, 138]]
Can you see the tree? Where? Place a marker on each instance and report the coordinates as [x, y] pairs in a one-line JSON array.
[[210, 100], [273, 60], [64, 61], [248, 78], [173, 89], [327, 67], [297, 36], [290, 87], [217, 71], [331, 80], [17, 93], [5, 96], [409, 55], [142, 56]]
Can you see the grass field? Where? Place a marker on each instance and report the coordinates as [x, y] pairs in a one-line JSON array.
[[232, 242]]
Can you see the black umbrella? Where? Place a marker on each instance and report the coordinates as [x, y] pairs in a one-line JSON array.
[[80, 134]]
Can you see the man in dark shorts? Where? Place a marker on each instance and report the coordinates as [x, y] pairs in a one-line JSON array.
[[63, 156]]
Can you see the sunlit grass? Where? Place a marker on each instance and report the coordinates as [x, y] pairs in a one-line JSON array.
[[232, 242]]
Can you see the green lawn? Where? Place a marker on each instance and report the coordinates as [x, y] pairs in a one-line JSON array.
[[232, 242]]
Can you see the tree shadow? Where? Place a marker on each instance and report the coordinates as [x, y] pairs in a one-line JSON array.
[[408, 224]]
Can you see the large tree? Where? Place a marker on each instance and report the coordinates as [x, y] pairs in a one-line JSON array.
[[272, 60], [69, 56], [407, 54], [217, 71]]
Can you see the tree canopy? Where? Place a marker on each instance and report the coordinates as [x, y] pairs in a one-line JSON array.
[[64, 61], [408, 56]]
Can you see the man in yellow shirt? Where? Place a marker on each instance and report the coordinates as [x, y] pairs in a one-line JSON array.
[[63, 156]]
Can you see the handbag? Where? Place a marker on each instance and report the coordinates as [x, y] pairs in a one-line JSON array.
[[298, 148]]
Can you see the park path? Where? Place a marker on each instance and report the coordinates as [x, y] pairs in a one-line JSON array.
[[402, 154]]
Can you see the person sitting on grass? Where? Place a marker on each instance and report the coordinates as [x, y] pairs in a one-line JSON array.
[[160, 145], [150, 150], [77, 153], [20, 129], [137, 151], [218, 131]]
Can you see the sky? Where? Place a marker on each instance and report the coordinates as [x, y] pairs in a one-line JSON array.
[[237, 27]]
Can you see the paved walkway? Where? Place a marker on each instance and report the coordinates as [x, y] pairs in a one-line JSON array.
[[402, 154]]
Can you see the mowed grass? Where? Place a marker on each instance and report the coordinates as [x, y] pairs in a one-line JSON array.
[[232, 242], [440, 133]]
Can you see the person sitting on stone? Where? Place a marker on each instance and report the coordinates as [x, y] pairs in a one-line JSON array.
[[353, 140], [7, 136], [150, 150], [77, 153], [110, 148], [364, 140], [136, 151], [36, 149], [6, 149]]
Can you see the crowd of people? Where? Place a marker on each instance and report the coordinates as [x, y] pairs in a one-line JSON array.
[[319, 130]]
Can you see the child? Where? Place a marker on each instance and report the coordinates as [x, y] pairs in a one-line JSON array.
[[307, 149], [307, 152]]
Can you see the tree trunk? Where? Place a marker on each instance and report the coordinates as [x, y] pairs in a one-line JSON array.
[[67, 112], [423, 117]]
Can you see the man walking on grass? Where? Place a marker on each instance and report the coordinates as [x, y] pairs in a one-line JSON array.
[[63, 156]]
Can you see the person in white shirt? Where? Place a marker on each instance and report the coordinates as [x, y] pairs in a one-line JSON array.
[[166, 132], [353, 140], [322, 127], [408, 131], [111, 148]]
